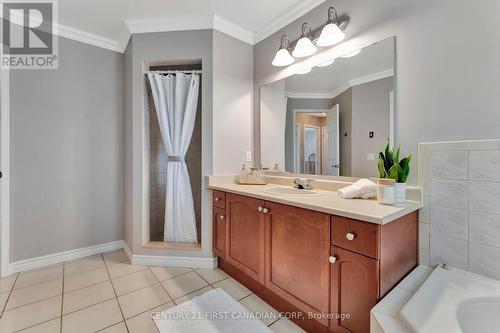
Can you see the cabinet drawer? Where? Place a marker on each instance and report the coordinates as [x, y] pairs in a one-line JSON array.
[[219, 199], [357, 236]]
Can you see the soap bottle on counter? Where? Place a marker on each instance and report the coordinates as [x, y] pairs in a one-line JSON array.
[[243, 177]]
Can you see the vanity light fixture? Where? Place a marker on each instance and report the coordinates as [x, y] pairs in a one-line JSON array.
[[305, 71], [305, 46], [283, 56], [331, 33], [351, 54], [326, 63]]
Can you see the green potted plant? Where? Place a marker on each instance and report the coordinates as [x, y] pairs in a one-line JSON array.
[[390, 166]]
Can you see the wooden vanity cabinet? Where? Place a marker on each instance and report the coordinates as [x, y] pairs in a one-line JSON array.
[[296, 259], [245, 235], [219, 232], [354, 290], [297, 250]]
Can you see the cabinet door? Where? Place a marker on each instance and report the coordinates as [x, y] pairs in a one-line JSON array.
[[219, 226], [354, 290], [245, 246], [297, 267]]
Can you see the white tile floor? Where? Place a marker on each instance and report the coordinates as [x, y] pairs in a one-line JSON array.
[[104, 293]]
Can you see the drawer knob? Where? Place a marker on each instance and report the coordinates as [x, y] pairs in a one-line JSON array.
[[222, 217], [332, 259], [260, 208], [217, 199], [350, 236], [265, 210]]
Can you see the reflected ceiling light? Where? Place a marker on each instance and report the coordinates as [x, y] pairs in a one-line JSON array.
[[351, 54], [305, 71], [305, 46], [327, 63], [283, 56], [331, 33]]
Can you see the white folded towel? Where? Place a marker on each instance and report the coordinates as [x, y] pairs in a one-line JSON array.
[[363, 188]]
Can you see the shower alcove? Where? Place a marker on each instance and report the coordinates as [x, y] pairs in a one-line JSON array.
[[156, 159]]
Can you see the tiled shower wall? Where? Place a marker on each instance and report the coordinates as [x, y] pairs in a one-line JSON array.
[[460, 221]]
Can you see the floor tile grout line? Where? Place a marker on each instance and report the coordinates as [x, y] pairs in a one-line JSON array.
[[105, 328], [30, 303], [62, 300], [8, 297], [88, 306], [174, 277], [38, 283], [41, 323], [161, 284], [212, 284], [112, 286]]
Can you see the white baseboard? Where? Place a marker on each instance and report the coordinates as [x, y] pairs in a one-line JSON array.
[[143, 260], [56, 258], [191, 262], [127, 251]]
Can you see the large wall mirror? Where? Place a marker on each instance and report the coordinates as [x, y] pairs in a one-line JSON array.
[[334, 119]]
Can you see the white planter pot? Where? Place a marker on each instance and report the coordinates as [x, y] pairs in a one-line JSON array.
[[400, 192], [385, 194]]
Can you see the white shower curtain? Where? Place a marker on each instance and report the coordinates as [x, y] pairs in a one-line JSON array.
[[176, 100]]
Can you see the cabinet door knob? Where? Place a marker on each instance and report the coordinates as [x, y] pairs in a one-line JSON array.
[[222, 217], [260, 208], [265, 210], [350, 236], [217, 199], [332, 259]]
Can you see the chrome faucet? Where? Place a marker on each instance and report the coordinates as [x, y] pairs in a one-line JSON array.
[[303, 184]]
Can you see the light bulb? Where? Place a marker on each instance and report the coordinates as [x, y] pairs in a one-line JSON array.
[[330, 35]]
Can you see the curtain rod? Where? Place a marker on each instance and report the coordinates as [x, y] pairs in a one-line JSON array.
[[196, 71]]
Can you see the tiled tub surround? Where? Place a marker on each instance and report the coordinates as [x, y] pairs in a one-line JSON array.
[[104, 293], [460, 220]]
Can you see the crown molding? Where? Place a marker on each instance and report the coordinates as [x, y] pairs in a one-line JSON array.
[[233, 30], [286, 17], [175, 24], [372, 77], [88, 38], [124, 38], [343, 87], [290, 94]]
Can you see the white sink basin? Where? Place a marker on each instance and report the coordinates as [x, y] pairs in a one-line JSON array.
[[289, 191]]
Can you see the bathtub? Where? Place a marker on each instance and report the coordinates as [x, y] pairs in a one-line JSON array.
[[452, 300]]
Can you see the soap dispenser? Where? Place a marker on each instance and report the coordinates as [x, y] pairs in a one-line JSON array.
[[243, 178]]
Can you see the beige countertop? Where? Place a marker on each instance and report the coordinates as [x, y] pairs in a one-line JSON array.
[[327, 201]]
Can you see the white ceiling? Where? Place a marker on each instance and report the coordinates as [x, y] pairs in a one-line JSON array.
[[250, 21], [374, 61]]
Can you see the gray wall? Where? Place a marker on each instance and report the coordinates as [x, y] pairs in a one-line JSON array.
[[438, 98], [344, 101], [232, 98], [164, 46], [370, 112], [67, 153]]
